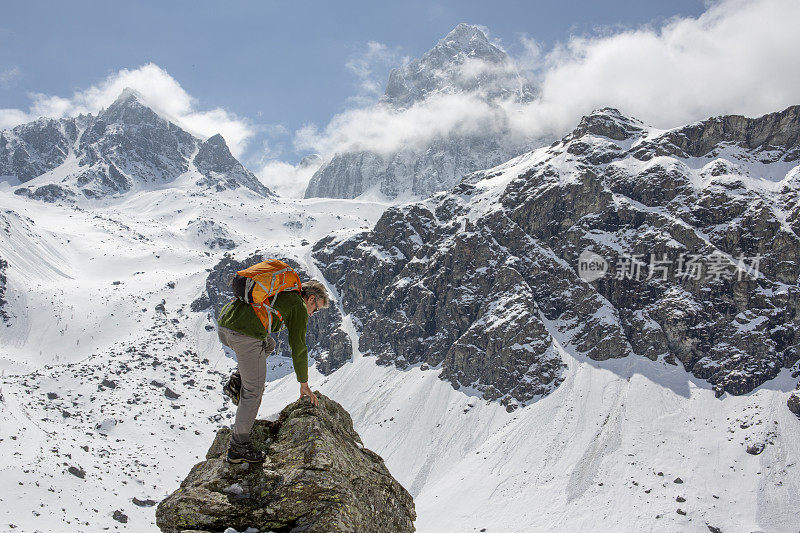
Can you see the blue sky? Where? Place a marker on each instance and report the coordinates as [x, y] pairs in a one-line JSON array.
[[279, 79], [275, 62]]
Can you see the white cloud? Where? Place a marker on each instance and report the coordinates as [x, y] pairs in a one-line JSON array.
[[9, 75], [285, 179], [738, 57], [384, 129], [160, 91], [12, 117], [370, 67]]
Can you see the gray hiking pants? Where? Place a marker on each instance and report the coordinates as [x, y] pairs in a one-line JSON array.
[[251, 357]]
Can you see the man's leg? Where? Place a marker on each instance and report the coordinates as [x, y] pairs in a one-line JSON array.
[[251, 357]]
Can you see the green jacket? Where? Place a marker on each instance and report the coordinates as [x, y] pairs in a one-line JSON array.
[[239, 316]]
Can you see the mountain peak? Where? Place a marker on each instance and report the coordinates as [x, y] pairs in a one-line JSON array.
[[464, 36], [129, 107], [217, 140], [464, 61], [609, 122], [129, 96]]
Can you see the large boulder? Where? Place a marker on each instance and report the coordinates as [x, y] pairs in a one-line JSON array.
[[318, 477]]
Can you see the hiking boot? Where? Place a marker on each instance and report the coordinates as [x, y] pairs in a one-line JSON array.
[[233, 387], [244, 453]]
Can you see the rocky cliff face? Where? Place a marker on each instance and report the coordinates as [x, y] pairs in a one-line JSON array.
[[327, 342], [463, 62], [3, 281], [618, 240], [125, 146], [318, 477], [441, 70]]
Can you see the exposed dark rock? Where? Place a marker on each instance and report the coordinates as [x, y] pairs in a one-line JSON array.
[[318, 477], [143, 503], [119, 516], [77, 471], [794, 402], [4, 316], [222, 171], [32, 149], [171, 394], [755, 449], [776, 131], [428, 281], [126, 144], [49, 193]]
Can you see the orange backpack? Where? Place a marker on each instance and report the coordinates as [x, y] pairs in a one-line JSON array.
[[257, 284]]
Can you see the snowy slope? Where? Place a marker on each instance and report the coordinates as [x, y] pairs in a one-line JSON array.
[[100, 336], [111, 391]]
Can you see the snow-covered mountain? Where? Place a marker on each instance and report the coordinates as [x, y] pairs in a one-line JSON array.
[[479, 280], [463, 62], [126, 147], [581, 404]]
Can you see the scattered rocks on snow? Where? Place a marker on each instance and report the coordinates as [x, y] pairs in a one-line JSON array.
[[143, 503], [755, 449], [171, 394], [77, 471]]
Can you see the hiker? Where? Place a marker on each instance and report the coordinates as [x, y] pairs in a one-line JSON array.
[[243, 327]]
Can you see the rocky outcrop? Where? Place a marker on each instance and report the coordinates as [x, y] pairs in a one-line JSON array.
[[32, 149], [700, 261], [772, 137], [4, 316], [318, 477], [327, 341], [221, 170], [793, 403], [464, 62], [123, 146]]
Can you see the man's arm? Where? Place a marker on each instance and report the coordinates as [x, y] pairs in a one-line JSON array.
[[298, 324]]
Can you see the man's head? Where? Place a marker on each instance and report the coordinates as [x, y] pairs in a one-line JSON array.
[[315, 296]]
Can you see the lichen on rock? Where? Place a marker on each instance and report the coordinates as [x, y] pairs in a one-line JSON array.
[[318, 477]]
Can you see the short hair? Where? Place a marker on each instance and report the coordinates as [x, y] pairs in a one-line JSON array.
[[317, 290]]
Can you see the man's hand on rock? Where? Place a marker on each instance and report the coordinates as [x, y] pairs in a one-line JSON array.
[[305, 390]]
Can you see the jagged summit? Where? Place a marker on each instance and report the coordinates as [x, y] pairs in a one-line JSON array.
[[129, 107], [126, 146], [470, 40], [442, 70], [609, 122], [462, 64], [217, 140], [129, 95]]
